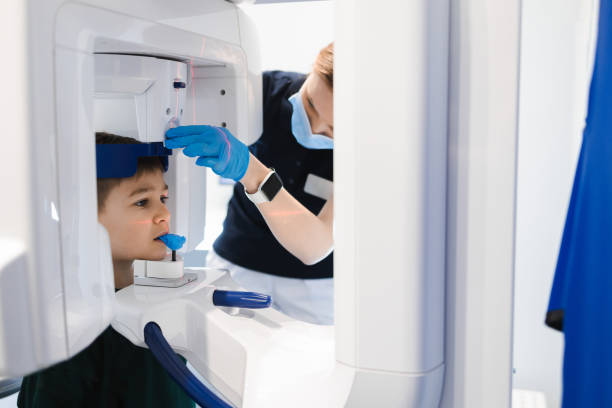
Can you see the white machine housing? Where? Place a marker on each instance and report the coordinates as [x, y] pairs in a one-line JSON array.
[[107, 65], [396, 114]]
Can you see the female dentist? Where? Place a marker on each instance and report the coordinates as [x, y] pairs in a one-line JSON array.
[[278, 235]]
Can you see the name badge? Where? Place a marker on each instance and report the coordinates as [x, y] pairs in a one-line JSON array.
[[319, 187]]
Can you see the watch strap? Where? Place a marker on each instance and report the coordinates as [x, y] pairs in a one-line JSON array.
[[260, 195]]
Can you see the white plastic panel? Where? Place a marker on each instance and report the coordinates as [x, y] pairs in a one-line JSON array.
[[40, 282], [148, 83], [14, 169], [210, 19], [88, 291], [255, 358], [98, 30], [101, 30], [383, 389], [44, 214], [16, 342], [252, 91], [211, 100], [224, 100], [187, 199], [483, 101], [390, 181]]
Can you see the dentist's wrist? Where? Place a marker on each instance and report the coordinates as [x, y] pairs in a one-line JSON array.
[[255, 175]]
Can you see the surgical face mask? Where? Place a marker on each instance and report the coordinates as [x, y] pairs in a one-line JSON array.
[[300, 127]]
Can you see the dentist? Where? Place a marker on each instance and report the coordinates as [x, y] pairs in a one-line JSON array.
[[278, 235]]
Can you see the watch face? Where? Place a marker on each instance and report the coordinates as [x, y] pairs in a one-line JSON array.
[[272, 186]]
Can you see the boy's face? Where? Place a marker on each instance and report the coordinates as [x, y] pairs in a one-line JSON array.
[[135, 214]]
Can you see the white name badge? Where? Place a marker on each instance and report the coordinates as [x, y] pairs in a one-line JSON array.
[[319, 187]]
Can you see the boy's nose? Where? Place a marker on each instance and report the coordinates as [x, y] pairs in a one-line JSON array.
[[163, 215]]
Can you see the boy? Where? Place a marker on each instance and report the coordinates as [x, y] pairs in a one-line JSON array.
[[112, 372]]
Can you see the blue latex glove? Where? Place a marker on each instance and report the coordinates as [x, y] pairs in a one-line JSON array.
[[216, 147], [173, 241]]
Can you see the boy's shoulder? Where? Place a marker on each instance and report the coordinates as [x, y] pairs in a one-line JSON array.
[[69, 383], [109, 372]]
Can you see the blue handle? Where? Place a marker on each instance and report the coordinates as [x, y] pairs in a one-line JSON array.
[[178, 370], [234, 298]]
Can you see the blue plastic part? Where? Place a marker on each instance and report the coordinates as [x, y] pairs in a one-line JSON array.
[[179, 84], [234, 298], [173, 241], [121, 160], [179, 372]]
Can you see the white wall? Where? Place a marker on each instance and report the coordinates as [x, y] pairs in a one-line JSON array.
[[291, 34], [557, 41]]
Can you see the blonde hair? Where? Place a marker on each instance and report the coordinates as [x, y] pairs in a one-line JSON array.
[[324, 65]]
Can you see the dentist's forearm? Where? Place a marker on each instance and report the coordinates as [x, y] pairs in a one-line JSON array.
[[307, 236], [255, 174]]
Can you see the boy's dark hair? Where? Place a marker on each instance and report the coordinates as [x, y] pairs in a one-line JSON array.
[[145, 165]]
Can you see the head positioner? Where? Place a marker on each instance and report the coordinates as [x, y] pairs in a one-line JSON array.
[[121, 160]]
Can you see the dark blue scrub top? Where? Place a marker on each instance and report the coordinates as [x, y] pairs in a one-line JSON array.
[[246, 239]]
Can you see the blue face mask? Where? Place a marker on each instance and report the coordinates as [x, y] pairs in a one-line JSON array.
[[300, 127]]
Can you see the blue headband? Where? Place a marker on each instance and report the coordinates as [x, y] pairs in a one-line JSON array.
[[121, 160]]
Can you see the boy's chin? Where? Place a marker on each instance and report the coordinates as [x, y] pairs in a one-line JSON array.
[[155, 255]]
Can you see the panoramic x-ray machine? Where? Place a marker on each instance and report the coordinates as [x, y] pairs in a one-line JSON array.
[[423, 191]]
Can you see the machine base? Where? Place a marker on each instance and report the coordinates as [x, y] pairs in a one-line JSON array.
[[166, 283]]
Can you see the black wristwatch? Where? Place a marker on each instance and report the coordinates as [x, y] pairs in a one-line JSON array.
[[267, 190]]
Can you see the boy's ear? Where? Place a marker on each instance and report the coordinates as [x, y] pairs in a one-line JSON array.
[[100, 207]]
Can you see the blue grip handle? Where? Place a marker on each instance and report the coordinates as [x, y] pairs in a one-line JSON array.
[[234, 298], [178, 370]]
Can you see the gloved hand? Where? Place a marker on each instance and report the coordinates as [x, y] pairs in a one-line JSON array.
[[216, 147], [173, 241]]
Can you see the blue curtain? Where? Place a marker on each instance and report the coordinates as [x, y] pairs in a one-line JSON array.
[[581, 298]]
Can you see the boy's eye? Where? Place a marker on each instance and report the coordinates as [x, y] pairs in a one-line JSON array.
[[141, 203], [163, 199]]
